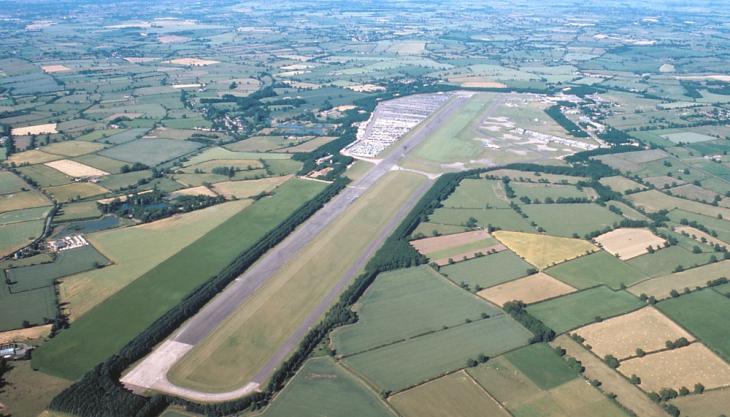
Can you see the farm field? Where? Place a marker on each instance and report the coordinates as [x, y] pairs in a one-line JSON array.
[[487, 271], [392, 311], [572, 157], [653, 201], [581, 273], [668, 260], [153, 243], [661, 287], [702, 314], [544, 250], [709, 404], [530, 289], [570, 219], [401, 365], [118, 318], [573, 310], [646, 329], [338, 393], [477, 193], [522, 397], [629, 395], [680, 367], [456, 392], [216, 364], [627, 243], [506, 219]]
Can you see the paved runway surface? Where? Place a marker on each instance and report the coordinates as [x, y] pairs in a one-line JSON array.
[[197, 328]]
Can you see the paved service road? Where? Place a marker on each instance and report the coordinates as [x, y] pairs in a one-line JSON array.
[[197, 328]]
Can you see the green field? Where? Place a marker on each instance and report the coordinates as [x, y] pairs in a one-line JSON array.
[[151, 152], [704, 314], [600, 268], [119, 181], [574, 310], [540, 191], [455, 393], [523, 398], [665, 261], [426, 229], [407, 303], [24, 215], [477, 193], [68, 262], [44, 176], [10, 183], [486, 271], [567, 219], [81, 210], [123, 315], [402, 365], [32, 306], [76, 191], [506, 219], [542, 365], [337, 393], [14, 236]]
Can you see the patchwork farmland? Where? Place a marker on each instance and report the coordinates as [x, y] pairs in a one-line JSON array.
[[346, 209]]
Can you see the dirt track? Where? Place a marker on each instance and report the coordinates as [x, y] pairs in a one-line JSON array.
[[196, 329]]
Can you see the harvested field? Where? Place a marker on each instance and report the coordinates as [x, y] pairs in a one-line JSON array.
[[53, 69], [487, 271], [700, 236], [43, 129], [200, 190], [598, 268], [439, 243], [646, 329], [77, 190], [72, 148], [710, 404], [193, 62], [543, 250], [630, 396], [627, 243], [531, 289], [391, 310], [75, 169], [579, 308], [249, 188], [661, 287], [24, 335], [335, 389], [458, 393], [32, 157], [681, 367]]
